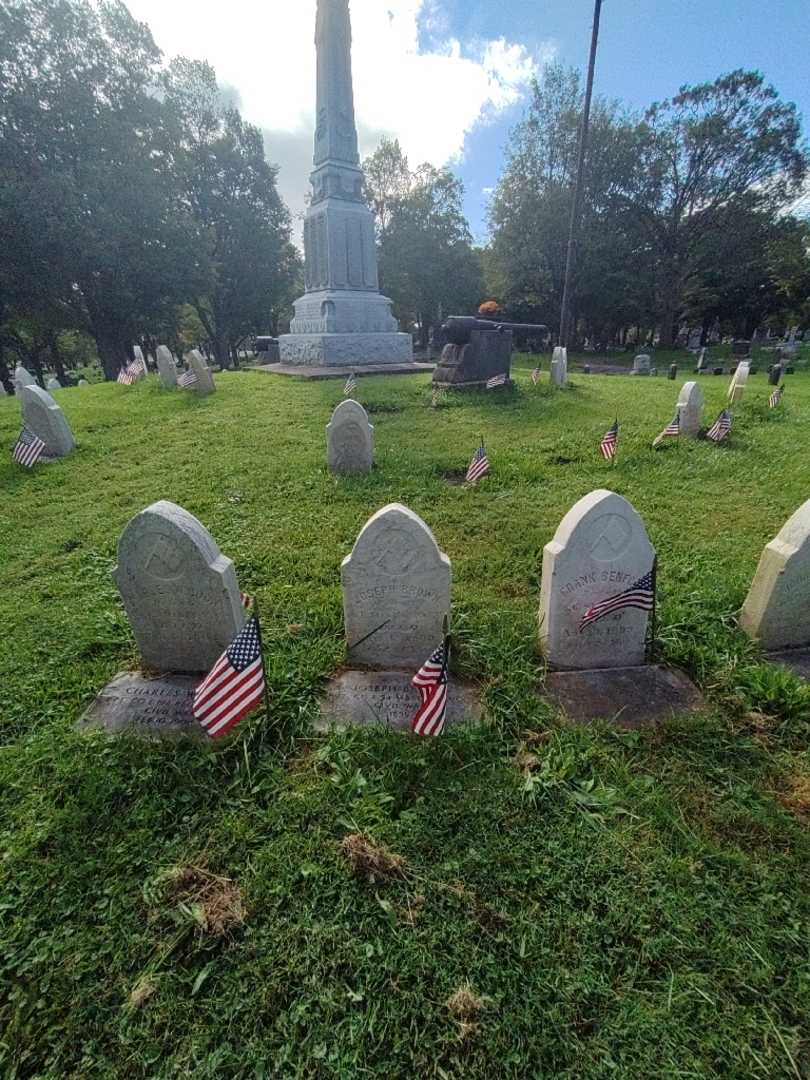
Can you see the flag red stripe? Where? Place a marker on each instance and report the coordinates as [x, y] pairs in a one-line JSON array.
[[207, 712], [247, 703]]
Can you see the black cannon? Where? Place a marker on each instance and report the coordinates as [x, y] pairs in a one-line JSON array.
[[476, 350]]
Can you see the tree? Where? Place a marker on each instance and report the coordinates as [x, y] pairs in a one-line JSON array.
[[388, 179], [701, 154], [249, 269]]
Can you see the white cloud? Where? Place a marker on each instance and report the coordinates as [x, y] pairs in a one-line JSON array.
[[265, 49]]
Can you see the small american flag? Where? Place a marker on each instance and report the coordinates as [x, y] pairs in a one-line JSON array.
[[671, 431], [351, 385], [235, 685], [536, 376], [479, 466], [641, 595], [498, 380], [188, 380], [720, 428], [610, 443], [28, 449], [131, 373], [431, 682], [776, 397]]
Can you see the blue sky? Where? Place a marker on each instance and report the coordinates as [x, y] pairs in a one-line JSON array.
[[647, 51]]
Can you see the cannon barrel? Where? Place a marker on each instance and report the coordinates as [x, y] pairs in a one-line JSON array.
[[459, 328]]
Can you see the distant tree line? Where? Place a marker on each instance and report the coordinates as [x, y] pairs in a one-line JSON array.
[[134, 205], [685, 212]]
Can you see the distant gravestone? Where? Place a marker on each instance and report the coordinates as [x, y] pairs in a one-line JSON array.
[[741, 349], [690, 407], [642, 364], [350, 440], [559, 367], [738, 383], [396, 591], [45, 419], [600, 549], [53, 384], [702, 361], [205, 380], [83, 382], [22, 378], [167, 369], [776, 612], [673, 372], [180, 592]]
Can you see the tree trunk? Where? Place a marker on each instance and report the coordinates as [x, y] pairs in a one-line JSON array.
[[5, 377], [113, 352]]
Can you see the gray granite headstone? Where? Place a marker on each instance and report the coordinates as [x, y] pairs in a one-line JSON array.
[[205, 380], [642, 364], [396, 591], [167, 369], [738, 383], [83, 382], [180, 592], [53, 384], [776, 612], [45, 419], [690, 407], [22, 378], [350, 440], [600, 549], [559, 367]]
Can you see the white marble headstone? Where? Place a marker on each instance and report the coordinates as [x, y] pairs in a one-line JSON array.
[[642, 364], [180, 592], [738, 382], [776, 612], [53, 384], [83, 382], [167, 369], [559, 367], [600, 549], [45, 419], [205, 380], [22, 378], [350, 440], [690, 406], [396, 588]]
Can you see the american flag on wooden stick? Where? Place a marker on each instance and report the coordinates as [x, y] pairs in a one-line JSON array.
[[235, 685], [610, 443], [498, 380], [641, 595], [721, 427], [431, 682], [776, 397], [351, 385], [28, 449], [671, 431], [188, 380], [131, 373], [479, 466]]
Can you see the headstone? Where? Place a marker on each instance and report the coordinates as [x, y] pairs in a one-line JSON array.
[[559, 367], [167, 369], [83, 382], [717, 371], [180, 592], [350, 440], [738, 383], [205, 380], [22, 378], [586, 369], [600, 549], [776, 612], [642, 364], [695, 338], [741, 349], [690, 407], [702, 361], [396, 591], [790, 370], [53, 384], [45, 419], [673, 372]]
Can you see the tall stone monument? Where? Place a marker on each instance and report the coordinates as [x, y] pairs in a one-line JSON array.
[[342, 320]]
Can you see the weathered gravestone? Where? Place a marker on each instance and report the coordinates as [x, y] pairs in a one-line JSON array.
[[690, 407], [205, 380], [371, 698], [179, 591], [45, 419], [167, 369], [22, 378], [738, 383], [776, 612], [83, 382], [559, 367], [396, 591], [642, 364], [350, 440], [53, 384], [600, 549]]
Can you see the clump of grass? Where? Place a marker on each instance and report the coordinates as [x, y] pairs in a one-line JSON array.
[[465, 1006], [142, 991], [797, 797], [371, 861]]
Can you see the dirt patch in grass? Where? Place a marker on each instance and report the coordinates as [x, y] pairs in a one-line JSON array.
[[454, 477], [217, 901], [465, 1006], [797, 797], [369, 861]]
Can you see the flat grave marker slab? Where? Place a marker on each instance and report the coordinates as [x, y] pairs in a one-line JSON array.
[[371, 698]]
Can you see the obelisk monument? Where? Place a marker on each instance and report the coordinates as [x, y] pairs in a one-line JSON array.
[[342, 320]]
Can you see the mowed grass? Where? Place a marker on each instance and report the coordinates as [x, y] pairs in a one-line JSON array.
[[573, 902]]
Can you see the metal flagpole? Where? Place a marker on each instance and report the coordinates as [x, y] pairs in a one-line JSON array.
[[576, 209]]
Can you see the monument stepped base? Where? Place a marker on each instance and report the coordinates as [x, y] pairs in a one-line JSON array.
[[300, 371], [345, 350]]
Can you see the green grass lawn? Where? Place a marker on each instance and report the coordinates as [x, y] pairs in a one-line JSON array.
[[572, 903]]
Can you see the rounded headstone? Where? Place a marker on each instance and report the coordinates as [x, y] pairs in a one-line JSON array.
[[559, 367], [22, 378], [205, 380], [690, 407], [350, 440], [642, 364], [600, 549], [53, 384], [738, 383], [83, 382], [396, 591], [180, 592], [776, 612], [45, 419], [167, 369]]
